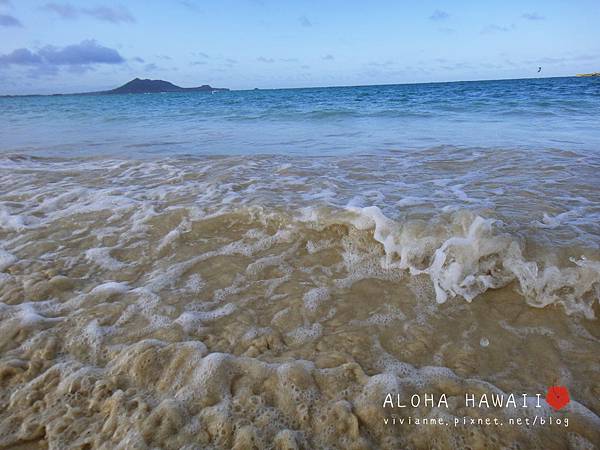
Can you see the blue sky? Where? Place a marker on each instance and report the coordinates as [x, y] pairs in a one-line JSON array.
[[70, 46]]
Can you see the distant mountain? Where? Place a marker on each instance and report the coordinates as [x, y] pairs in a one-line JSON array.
[[138, 86]]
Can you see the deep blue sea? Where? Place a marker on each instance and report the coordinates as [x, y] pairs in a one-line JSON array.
[[529, 113]]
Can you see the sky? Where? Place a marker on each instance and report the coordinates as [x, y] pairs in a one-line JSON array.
[[75, 46]]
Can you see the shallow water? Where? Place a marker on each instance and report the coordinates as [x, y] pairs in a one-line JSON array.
[[240, 301]]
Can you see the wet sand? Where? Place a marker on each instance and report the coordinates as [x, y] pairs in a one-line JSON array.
[[173, 305]]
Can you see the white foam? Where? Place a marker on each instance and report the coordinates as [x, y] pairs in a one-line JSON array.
[[13, 222], [315, 297], [109, 288], [191, 320], [29, 314], [102, 257], [184, 227], [470, 257], [6, 260], [411, 201], [552, 222], [306, 333], [195, 283]]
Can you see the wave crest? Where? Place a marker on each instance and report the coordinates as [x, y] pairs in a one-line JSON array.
[[467, 255]]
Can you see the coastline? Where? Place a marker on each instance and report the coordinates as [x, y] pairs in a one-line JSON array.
[[165, 283]]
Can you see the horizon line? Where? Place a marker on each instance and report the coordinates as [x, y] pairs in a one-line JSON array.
[[293, 88]]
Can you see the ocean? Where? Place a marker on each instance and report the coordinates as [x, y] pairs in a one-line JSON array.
[[511, 114], [260, 269]]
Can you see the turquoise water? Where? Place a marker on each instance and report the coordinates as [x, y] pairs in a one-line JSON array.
[[558, 113]]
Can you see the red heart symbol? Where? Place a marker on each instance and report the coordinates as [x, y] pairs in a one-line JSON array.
[[557, 397]]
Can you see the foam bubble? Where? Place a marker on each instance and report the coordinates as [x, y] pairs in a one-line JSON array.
[[315, 297], [6, 260], [102, 257], [306, 333], [14, 222]]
